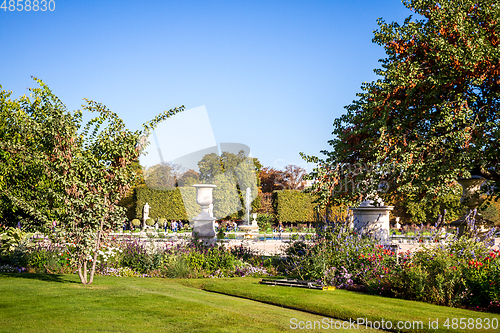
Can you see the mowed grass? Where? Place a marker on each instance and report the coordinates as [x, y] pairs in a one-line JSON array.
[[346, 305], [59, 303]]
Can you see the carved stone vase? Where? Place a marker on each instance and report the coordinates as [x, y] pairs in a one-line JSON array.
[[204, 227], [472, 199]]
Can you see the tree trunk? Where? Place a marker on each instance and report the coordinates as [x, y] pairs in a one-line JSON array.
[[97, 245], [82, 273]]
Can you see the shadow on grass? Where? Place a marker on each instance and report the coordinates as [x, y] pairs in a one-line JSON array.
[[42, 277]]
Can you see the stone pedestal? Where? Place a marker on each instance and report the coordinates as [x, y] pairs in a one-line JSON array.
[[372, 220], [251, 230], [203, 226]]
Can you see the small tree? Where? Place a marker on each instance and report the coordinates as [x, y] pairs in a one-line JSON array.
[[77, 175]]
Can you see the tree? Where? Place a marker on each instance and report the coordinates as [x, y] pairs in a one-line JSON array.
[[66, 174], [270, 179], [291, 178], [162, 176], [188, 178], [232, 173], [129, 201], [433, 115]]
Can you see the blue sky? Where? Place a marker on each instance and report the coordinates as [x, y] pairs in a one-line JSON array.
[[272, 75]]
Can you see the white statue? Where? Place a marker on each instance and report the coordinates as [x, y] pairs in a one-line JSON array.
[[145, 215]]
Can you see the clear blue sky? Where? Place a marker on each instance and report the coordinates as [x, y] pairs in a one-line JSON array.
[[272, 75]]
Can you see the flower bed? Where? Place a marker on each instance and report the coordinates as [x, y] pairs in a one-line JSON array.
[[461, 272]]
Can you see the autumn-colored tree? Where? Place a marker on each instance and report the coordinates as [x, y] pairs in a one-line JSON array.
[[270, 179], [188, 178], [432, 117], [291, 178]]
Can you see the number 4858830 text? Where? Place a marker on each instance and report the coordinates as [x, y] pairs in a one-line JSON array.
[[27, 5]]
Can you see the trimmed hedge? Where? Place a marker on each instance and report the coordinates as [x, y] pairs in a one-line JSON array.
[[176, 204], [293, 206], [180, 204]]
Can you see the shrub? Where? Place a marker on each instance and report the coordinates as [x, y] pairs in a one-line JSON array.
[[464, 271], [335, 246], [140, 257], [150, 222], [265, 221], [136, 223]]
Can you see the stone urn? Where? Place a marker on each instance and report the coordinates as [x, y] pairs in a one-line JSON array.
[[204, 227], [372, 218], [470, 195], [472, 199]]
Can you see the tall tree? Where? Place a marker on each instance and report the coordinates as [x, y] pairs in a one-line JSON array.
[[291, 178], [162, 176], [55, 170], [271, 179], [434, 114], [232, 173], [188, 178]]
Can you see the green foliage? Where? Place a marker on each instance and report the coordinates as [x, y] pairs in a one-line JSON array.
[[233, 174], [175, 204], [52, 260], [136, 222], [432, 116], [68, 173], [226, 197], [14, 239], [293, 206], [427, 210], [491, 210], [129, 200], [431, 276], [150, 222], [265, 221]]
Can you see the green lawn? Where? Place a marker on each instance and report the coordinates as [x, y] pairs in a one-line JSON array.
[[346, 305], [59, 303]]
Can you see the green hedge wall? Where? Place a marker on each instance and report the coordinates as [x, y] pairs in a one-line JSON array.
[[293, 206], [176, 204], [180, 204]]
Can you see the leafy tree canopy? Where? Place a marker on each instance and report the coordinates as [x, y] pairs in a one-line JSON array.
[[66, 177], [233, 174], [291, 178], [433, 115]]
